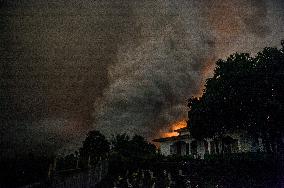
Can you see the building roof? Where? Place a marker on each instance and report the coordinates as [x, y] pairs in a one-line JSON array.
[[172, 138], [184, 129]]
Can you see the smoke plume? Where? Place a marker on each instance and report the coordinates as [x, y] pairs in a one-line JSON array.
[[116, 66], [150, 82]]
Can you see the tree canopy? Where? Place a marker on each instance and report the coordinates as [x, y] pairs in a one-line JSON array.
[[245, 93], [134, 148], [94, 146]]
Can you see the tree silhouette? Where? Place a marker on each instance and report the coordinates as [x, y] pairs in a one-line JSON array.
[[120, 144], [95, 146], [129, 154], [245, 93], [137, 147]]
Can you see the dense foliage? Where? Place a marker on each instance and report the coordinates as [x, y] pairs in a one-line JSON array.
[[245, 93], [137, 147], [129, 154], [95, 146]]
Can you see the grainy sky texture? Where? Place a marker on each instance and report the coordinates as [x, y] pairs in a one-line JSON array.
[[117, 66]]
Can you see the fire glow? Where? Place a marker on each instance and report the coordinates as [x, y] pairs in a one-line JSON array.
[[173, 127]]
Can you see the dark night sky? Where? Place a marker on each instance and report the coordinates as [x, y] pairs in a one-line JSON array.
[[118, 66]]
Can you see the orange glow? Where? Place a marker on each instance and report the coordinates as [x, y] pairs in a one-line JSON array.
[[178, 125], [169, 134], [173, 127]]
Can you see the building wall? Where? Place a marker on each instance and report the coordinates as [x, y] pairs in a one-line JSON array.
[[245, 143], [169, 148], [200, 149], [183, 149], [248, 143], [165, 148]]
